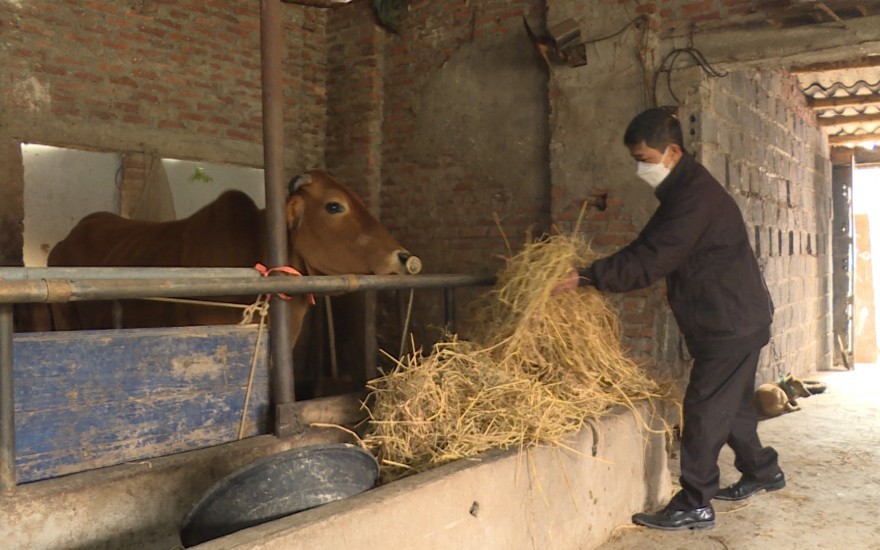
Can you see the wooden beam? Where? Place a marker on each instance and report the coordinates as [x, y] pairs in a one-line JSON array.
[[846, 101], [854, 119], [841, 155], [822, 7], [856, 63], [852, 140], [792, 47]]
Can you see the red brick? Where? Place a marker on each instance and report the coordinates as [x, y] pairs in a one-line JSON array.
[[689, 9]]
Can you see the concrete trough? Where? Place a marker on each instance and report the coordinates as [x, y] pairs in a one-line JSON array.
[[544, 498], [141, 504]]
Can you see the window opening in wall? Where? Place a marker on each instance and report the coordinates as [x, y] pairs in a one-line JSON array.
[[791, 243], [194, 184], [866, 216], [61, 186], [779, 242]]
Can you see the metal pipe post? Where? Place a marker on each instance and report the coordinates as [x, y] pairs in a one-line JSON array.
[[7, 402], [276, 221]]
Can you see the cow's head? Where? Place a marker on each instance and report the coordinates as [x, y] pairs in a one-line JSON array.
[[332, 232]]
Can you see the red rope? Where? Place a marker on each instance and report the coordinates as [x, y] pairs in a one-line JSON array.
[[282, 269]]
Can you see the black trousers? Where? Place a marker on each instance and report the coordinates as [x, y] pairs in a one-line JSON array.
[[718, 409]]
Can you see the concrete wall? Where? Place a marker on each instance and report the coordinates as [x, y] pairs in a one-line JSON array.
[[464, 134], [544, 498], [590, 109]]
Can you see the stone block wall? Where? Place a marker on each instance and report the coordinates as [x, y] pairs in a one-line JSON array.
[[758, 137]]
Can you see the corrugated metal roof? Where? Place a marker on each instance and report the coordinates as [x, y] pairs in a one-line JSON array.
[[845, 94]]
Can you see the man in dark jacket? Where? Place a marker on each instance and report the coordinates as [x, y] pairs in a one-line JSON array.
[[697, 240]]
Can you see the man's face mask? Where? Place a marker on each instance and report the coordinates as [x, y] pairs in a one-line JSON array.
[[653, 174]]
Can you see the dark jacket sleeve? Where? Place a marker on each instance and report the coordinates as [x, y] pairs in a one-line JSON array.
[[661, 247]]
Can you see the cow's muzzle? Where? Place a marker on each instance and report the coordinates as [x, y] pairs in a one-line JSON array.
[[412, 263]]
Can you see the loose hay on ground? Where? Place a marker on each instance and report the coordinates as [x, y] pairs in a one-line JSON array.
[[539, 367]]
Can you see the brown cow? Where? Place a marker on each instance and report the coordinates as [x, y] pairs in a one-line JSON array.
[[330, 232]]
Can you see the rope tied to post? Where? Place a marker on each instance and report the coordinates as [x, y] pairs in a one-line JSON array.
[[266, 271]]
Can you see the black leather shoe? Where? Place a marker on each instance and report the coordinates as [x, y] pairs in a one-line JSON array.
[[671, 519], [744, 488]]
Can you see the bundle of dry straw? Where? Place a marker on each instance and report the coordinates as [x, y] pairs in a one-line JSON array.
[[541, 365]]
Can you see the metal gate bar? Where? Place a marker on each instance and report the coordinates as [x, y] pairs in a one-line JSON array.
[[45, 285]]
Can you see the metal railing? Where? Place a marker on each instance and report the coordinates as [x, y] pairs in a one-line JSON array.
[[58, 285]]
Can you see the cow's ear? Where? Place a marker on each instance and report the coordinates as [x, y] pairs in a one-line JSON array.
[[295, 205], [297, 182]]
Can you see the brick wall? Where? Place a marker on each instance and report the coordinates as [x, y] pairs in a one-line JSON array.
[[443, 128], [355, 94], [590, 108], [175, 77], [463, 129]]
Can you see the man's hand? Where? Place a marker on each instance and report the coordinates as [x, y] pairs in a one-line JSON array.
[[568, 282]]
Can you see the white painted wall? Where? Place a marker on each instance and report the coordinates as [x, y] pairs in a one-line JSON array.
[[866, 200], [61, 186], [191, 194]]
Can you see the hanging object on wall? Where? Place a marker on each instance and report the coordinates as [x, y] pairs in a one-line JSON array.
[[389, 11], [199, 174], [561, 44]]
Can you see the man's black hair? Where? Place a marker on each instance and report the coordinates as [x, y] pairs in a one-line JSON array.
[[657, 127]]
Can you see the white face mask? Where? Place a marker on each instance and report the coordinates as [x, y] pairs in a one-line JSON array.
[[653, 174]]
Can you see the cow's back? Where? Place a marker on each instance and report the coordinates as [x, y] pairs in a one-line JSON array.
[[225, 233]]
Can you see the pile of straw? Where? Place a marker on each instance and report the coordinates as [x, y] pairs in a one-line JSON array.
[[541, 365]]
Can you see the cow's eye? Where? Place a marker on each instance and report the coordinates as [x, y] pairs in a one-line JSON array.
[[334, 208]]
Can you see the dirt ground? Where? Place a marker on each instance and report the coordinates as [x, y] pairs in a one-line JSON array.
[[830, 453]]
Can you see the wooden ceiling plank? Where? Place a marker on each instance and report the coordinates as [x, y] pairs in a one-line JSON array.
[[852, 140], [847, 120], [846, 101], [865, 62], [823, 8]]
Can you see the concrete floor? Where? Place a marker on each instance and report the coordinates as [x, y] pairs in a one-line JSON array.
[[830, 452]]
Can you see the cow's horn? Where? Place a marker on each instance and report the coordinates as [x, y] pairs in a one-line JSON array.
[[297, 182]]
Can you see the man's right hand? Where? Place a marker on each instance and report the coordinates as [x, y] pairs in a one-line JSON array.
[[566, 283]]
